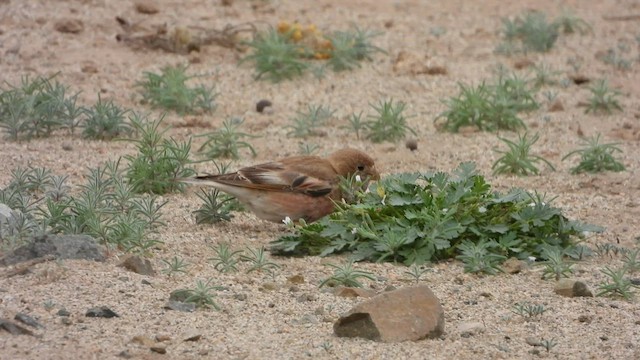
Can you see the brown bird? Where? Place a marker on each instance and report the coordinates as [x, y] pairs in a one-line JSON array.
[[297, 187]]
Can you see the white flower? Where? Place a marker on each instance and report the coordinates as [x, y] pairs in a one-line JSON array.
[[358, 178], [482, 209], [354, 231], [287, 221], [531, 258]]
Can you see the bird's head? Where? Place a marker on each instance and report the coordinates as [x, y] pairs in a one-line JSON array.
[[354, 162]]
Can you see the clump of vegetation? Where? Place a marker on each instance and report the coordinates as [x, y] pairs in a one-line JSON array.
[[617, 284], [202, 295], [106, 207], [346, 275], [532, 31], [286, 52], [596, 157], [307, 123], [175, 265], [603, 99], [477, 257], [388, 123], [106, 121], [259, 261], [431, 215], [168, 90], [216, 207], [38, 107], [227, 141], [518, 159], [554, 264], [159, 161], [225, 259], [529, 311]]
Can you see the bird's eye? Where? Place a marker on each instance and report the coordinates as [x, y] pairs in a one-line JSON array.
[[360, 167]]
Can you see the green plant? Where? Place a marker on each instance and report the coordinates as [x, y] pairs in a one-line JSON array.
[[259, 261], [158, 161], [49, 304], [554, 264], [435, 213], [389, 122], [175, 265], [515, 92], [416, 271], [168, 90], [632, 260], [307, 123], [307, 148], [275, 57], [202, 295], [614, 58], [225, 260], [549, 344], [531, 31], [603, 99], [216, 207], [346, 275], [596, 157], [518, 159], [477, 258], [37, 108], [106, 121], [227, 141], [356, 124], [569, 23], [529, 311], [617, 284], [544, 75], [479, 107], [349, 48]]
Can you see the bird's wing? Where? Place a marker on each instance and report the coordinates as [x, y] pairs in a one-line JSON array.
[[275, 176]]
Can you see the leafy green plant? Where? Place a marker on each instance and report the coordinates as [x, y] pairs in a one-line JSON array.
[[158, 161], [544, 75], [216, 207], [416, 271], [225, 259], [554, 264], [355, 124], [479, 107], [617, 284], [259, 261], [603, 99], [389, 122], [307, 148], [434, 213], [515, 92], [227, 141], [596, 157], [106, 121], [175, 265], [349, 48], [202, 295], [518, 159], [36, 108], [275, 57], [306, 123], [549, 344], [529, 311], [346, 275], [477, 258], [632, 260], [569, 23], [529, 32], [168, 90]]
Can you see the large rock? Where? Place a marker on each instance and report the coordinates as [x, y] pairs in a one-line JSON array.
[[572, 288], [60, 246], [410, 313]]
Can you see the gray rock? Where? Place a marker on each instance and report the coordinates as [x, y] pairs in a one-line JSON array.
[[138, 265], [410, 313], [27, 320], [468, 329], [14, 329], [61, 246], [102, 311], [572, 288]]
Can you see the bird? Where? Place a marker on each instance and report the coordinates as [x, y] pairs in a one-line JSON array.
[[294, 188]]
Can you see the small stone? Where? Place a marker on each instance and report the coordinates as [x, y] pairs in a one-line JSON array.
[[158, 349], [64, 312], [180, 306], [513, 265], [572, 288], [353, 292], [523, 63], [67, 147], [533, 341], [307, 297], [146, 7], [89, 68], [241, 296], [14, 329], [262, 104], [585, 319], [296, 279], [410, 313], [138, 265], [226, 2], [66, 321], [101, 311], [469, 329], [269, 286], [412, 144], [27, 320], [163, 338], [192, 337], [556, 106], [579, 79], [69, 26], [143, 340], [125, 354]]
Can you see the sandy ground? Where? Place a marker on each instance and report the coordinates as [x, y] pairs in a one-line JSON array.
[[297, 322]]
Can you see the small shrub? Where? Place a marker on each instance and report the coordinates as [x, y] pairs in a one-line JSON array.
[[531, 31], [389, 122], [596, 157], [518, 159], [106, 121], [227, 141], [346, 275], [603, 99], [275, 57], [306, 123], [349, 48]]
